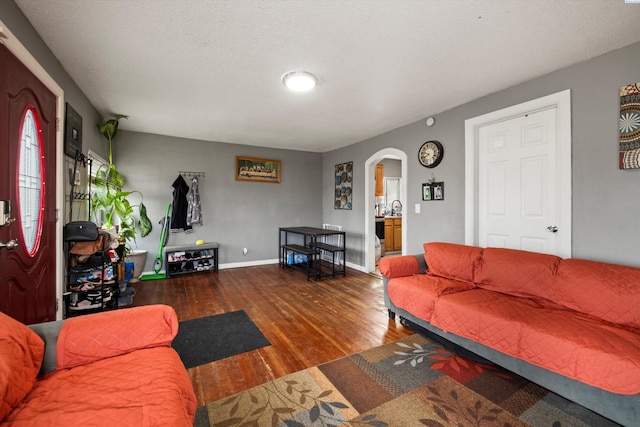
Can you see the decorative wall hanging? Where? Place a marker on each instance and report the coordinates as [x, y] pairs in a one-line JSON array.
[[259, 170], [433, 191], [344, 186], [72, 132], [629, 152], [426, 191]]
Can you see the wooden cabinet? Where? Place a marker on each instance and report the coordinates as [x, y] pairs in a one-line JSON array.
[[379, 180], [393, 234], [388, 235], [397, 234]]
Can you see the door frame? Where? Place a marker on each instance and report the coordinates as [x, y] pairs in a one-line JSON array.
[[562, 102], [369, 203], [14, 46]]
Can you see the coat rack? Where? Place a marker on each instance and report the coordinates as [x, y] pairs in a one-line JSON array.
[[188, 174]]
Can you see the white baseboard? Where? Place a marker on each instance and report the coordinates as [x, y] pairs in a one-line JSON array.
[[261, 262]]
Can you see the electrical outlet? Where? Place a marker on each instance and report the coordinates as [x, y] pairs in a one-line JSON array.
[[417, 207], [244, 251]]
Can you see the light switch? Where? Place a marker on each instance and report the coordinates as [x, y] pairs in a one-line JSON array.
[[417, 207]]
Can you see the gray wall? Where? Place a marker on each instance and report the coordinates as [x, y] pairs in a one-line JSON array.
[[605, 199], [391, 168], [236, 214]]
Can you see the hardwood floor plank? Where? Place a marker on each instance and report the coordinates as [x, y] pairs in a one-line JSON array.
[[307, 322]]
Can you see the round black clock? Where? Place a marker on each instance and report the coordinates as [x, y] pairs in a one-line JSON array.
[[430, 154]]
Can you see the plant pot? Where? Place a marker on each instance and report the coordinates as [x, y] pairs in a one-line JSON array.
[[138, 258]]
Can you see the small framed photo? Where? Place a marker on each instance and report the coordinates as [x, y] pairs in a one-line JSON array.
[[426, 191], [438, 190], [72, 132]]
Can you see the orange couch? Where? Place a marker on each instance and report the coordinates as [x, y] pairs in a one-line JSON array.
[[110, 368], [571, 325]]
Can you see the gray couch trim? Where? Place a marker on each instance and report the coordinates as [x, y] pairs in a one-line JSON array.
[[621, 408], [49, 332]]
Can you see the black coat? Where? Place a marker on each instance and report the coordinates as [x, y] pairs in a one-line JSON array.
[[179, 209]]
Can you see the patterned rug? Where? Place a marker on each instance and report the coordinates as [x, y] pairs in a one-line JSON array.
[[411, 382]]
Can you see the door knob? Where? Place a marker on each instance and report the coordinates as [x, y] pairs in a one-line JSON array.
[[11, 244], [552, 229]]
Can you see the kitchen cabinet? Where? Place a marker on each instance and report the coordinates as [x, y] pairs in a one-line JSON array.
[[397, 234], [379, 180], [388, 235], [393, 234]]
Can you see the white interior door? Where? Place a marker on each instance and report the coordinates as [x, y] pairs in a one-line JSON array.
[[518, 177], [518, 183]]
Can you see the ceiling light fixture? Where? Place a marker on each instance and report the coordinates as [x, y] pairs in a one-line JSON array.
[[299, 81]]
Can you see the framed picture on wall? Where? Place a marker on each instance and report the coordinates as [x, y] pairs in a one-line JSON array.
[[257, 170], [438, 190], [426, 191], [72, 132], [344, 186]]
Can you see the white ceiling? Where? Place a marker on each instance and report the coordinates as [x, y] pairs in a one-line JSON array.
[[211, 69]]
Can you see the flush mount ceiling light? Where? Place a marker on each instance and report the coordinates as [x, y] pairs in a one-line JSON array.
[[299, 81]]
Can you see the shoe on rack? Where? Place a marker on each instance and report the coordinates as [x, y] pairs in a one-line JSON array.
[[83, 287], [96, 282], [97, 296], [83, 305]]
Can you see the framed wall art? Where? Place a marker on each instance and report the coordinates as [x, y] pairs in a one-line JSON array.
[[426, 191], [629, 151], [344, 186], [433, 191], [437, 189], [257, 170], [72, 132]]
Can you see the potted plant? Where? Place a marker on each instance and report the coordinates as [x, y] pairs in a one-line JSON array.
[[109, 202]]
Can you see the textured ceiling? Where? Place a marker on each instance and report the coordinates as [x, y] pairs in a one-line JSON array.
[[211, 70]]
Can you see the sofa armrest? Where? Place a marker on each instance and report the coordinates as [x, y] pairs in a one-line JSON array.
[[89, 338], [406, 265], [49, 332]]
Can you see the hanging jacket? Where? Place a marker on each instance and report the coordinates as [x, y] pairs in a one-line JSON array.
[[179, 212], [194, 210]]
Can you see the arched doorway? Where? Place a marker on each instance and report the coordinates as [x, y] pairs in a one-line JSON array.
[[369, 203]]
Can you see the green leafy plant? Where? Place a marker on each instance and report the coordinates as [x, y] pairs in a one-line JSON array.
[[109, 201]]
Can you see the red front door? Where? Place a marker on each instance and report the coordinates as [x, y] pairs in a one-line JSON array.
[[27, 181]]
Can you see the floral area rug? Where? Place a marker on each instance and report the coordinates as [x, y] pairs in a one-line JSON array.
[[411, 382]]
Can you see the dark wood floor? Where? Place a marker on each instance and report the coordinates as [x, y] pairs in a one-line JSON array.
[[306, 322]]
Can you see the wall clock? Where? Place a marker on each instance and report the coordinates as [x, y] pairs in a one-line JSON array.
[[430, 154]]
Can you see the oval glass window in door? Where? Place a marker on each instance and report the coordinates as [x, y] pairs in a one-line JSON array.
[[30, 182]]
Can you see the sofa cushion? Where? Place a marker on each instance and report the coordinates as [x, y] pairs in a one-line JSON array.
[[417, 294], [563, 341], [451, 260], [488, 317], [399, 266], [607, 291], [21, 352], [148, 387], [583, 348], [86, 339], [519, 273]]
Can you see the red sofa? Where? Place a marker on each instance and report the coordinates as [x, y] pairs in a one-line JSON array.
[[570, 325], [111, 368]]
